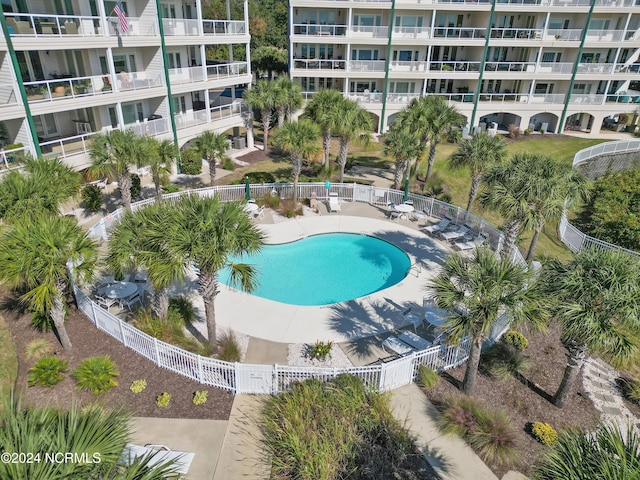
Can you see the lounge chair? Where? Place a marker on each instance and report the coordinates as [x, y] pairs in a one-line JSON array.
[[334, 204], [470, 244], [394, 345], [450, 235], [414, 320], [157, 454], [439, 227], [415, 341]]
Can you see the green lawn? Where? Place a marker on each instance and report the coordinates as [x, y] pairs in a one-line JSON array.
[[8, 359]]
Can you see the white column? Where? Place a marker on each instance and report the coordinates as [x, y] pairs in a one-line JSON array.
[[199, 15], [247, 45], [112, 74], [103, 19]]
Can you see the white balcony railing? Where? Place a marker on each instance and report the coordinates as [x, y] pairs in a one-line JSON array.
[[180, 26], [224, 27], [314, 64], [456, 97], [369, 31], [455, 66], [599, 68], [227, 111], [397, 66], [37, 25], [150, 127], [591, 99], [515, 33], [623, 98], [13, 158], [226, 70], [367, 65], [509, 66], [563, 35], [554, 98], [191, 119], [466, 33], [401, 97], [61, 88], [67, 146], [365, 97], [143, 80], [319, 30], [411, 32], [605, 35], [626, 68], [555, 67], [138, 27], [178, 76]]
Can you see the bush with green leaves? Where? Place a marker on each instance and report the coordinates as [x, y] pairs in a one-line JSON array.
[[260, 177], [170, 330], [191, 162], [427, 377], [503, 361], [544, 433], [163, 400], [38, 348], [228, 347], [41, 322], [138, 386], [271, 201], [91, 198], [136, 185], [289, 209], [228, 164], [47, 372], [183, 307], [96, 374], [320, 350], [516, 339], [630, 388], [170, 188], [200, 397]]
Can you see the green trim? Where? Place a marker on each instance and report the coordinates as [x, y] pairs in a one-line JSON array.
[[23, 93], [482, 64], [563, 118], [386, 67], [165, 63]]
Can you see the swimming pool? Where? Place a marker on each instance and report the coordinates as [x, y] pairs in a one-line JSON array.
[[325, 269]]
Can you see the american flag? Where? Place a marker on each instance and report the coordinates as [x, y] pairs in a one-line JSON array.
[[119, 11]]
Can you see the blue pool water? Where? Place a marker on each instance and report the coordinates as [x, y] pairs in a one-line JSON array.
[[325, 269]]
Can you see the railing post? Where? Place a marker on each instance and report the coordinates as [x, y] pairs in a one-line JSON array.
[[93, 312], [157, 351], [275, 386], [200, 370], [124, 340]]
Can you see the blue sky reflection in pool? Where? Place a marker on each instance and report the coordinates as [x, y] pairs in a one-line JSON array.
[[325, 269]]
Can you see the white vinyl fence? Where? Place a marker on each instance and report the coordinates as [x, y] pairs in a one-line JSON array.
[[271, 379]]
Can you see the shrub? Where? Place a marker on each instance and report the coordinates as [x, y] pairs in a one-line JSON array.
[[182, 306], [200, 397], [454, 135], [527, 131], [320, 350], [170, 330], [427, 377], [228, 348], [163, 400], [138, 386], [271, 201], [516, 339], [36, 349], [630, 389], [136, 185], [41, 321], [228, 164], [191, 162], [502, 361], [47, 372], [96, 374], [459, 416], [493, 438], [542, 131], [289, 209], [514, 131], [91, 198], [170, 188], [260, 177], [544, 433]]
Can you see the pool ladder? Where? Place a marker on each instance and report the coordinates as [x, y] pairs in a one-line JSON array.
[[416, 267]]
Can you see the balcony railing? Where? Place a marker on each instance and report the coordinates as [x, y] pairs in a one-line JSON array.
[[50, 90], [605, 35], [365, 97], [150, 127], [138, 27], [224, 27], [227, 111], [623, 98], [545, 98], [626, 67], [179, 76], [401, 97], [555, 67], [314, 64], [563, 35], [398, 66], [367, 65], [512, 33], [24, 24], [411, 32], [67, 146], [592, 99], [509, 66], [456, 97], [599, 68], [180, 26], [13, 158], [369, 31], [212, 72], [143, 80], [226, 70], [466, 33], [455, 66], [191, 119], [319, 30]]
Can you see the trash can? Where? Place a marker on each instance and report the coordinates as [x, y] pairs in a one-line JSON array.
[[239, 143]]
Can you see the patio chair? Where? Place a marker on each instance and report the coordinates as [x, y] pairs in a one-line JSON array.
[[105, 302], [439, 227], [414, 340], [157, 454], [470, 244], [128, 302], [413, 319], [259, 213], [394, 345], [454, 234], [334, 203]]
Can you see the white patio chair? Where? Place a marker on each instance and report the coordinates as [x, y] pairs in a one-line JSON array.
[[394, 345], [105, 302], [334, 202], [128, 302], [259, 214], [439, 227], [454, 234], [414, 340]]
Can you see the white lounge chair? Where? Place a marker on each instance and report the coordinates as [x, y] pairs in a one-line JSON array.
[[158, 454], [439, 227], [455, 234], [413, 319], [471, 244], [334, 204], [394, 345], [415, 341]]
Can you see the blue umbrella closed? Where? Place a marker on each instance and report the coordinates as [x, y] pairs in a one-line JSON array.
[[247, 189], [406, 190]]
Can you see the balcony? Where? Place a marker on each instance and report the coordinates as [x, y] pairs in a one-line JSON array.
[[455, 66], [150, 127], [59, 88], [411, 32], [226, 70], [367, 65], [143, 80], [563, 35], [46, 26], [180, 26], [364, 31], [320, 30], [68, 146], [623, 98], [519, 33], [555, 67], [224, 27], [599, 68], [456, 97], [13, 158], [590, 99], [401, 97], [314, 64], [466, 33], [191, 119], [179, 76], [397, 66], [509, 66]]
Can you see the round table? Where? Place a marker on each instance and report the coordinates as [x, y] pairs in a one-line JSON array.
[[120, 290], [251, 207], [404, 208], [436, 317]]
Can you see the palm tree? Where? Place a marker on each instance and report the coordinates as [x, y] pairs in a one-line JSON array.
[[138, 240], [351, 123], [300, 139], [45, 185], [560, 186], [442, 118], [597, 294], [159, 156], [38, 254], [263, 97], [112, 154], [403, 145], [209, 233], [607, 453], [320, 109], [212, 147], [288, 99], [475, 290], [478, 153]]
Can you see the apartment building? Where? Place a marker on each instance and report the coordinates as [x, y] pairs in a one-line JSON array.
[[556, 65], [72, 68]]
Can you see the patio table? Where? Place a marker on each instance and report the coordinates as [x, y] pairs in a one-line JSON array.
[[120, 290]]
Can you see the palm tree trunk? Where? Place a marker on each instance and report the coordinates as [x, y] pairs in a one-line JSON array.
[[511, 232], [575, 360], [209, 289], [534, 241], [57, 315], [212, 169], [475, 185], [326, 147], [296, 163], [344, 149], [266, 124], [401, 166], [471, 373], [282, 111], [124, 183], [432, 158], [158, 187], [161, 302]]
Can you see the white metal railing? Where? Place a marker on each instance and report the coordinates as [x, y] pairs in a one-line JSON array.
[[401, 97], [411, 32], [626, 68], [227, 111], [563, 35], [555, 67], [140, 80], [138, 27], [375, 97], [455, 66], [592, 99], [224, 27], [509, 66], [316, 64], [319, 30], [369, 31], [516, 33], [191, 119], [546, 98], [13, 158], [49, 90], [178, 76], [570, 235], [623, 98], [271, 379], [226, 70], [180, 26], [367, 65], [459, 32], [604, 35], [150, 127], [38, 25], [400, 66], [456, 97], [503, 97], [67, 146]]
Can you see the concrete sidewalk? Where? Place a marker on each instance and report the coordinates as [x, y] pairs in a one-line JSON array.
[[452, 458]]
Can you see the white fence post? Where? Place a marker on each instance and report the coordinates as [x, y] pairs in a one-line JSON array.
[[157, 350], [124, 339]]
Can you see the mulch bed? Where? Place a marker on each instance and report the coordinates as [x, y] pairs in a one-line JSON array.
[[88, 341], [530, 403]]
